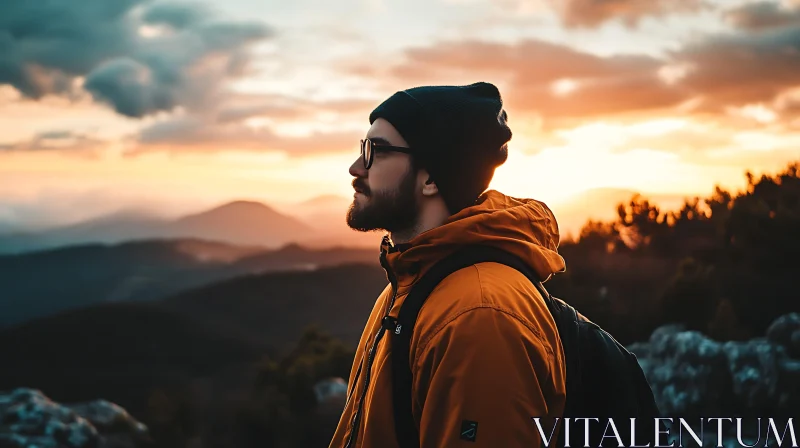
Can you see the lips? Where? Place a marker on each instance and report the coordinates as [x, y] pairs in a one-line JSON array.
[[359, 189]]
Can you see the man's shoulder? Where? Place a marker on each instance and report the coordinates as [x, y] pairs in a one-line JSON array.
[[488, 290]]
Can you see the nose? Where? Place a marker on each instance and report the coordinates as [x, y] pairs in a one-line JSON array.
[[357, 168]]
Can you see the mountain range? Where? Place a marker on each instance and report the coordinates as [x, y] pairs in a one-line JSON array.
[[45, 282], [239, 222], [315, 223]]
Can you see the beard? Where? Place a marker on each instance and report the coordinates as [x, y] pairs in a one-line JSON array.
[[390, 210]]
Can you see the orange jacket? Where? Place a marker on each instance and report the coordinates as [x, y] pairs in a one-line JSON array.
[[485, 348]]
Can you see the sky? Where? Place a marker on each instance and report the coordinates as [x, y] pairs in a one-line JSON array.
[[177, 106]]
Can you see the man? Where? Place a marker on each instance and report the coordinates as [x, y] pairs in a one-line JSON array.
[[485, 352]]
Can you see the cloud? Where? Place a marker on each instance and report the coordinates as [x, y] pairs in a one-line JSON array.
[[58, 140], [593, 13], [249, 122], [140, 57], [175, 15], [740, 73], [764, 15], [283, 107], [788, 103], [131, 87], [552, 80], [190, 134], [742, 69]]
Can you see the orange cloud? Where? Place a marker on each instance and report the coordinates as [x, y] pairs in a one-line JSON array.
[[716, 75], [553, 80], [592, 13]]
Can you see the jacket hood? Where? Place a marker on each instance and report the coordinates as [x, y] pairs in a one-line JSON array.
[[525, 227]]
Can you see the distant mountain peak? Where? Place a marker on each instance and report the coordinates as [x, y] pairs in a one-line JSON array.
[[241, 209], [242, 204], [241, 222]]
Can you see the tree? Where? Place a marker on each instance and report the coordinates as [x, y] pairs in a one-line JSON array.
[[691, 298], [283, 400], [641, 224], [598, 236], [762, 241]]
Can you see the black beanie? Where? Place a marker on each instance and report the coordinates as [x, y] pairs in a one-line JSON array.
[[459, 131]]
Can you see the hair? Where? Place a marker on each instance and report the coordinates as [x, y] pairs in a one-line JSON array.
[[416, 163]]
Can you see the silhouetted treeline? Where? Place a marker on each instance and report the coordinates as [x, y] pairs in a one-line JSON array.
[[726, 265]]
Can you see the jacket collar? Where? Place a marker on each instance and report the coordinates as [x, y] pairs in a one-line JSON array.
[[524, 227]]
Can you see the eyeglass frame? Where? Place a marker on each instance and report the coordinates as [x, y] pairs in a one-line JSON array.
[[367, 157]]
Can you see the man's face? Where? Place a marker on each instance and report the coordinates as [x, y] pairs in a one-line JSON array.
[[386, 194]]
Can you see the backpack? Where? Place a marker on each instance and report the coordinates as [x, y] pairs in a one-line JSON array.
[[603, 379]]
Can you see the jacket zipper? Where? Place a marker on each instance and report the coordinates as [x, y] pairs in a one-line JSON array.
[[353, 387], [371, 357]]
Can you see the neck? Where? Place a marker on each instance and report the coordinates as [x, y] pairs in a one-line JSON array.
[[431, 217]]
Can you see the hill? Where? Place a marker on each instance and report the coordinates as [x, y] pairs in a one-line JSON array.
[[239, 222], [277, 307], [207, 338], [120, 352], [112, 228], [42, 283]]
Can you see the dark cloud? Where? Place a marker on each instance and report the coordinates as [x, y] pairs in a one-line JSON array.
[[763, 15], [593, 13], [175, 15], [133, 88], [43, 45], [46, 46], [744, 68]]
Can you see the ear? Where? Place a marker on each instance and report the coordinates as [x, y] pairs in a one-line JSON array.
[[429, 188]]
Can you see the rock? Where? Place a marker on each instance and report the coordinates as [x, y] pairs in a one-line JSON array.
[[686, 370], [640, 349], [331, 396], [785, 331], [330, 389], [29, 418], [108, 417], [754, 367], [794, 348], [788, 384], [692, 375]]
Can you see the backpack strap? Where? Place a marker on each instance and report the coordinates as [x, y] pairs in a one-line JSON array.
[[401, 331]]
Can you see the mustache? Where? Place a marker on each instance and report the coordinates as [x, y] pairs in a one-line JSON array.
[[359, 184]]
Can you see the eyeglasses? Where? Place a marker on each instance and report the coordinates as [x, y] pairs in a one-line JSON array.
[[368, 148]]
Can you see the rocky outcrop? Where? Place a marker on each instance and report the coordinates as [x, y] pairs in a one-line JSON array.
[[29, 418], [692, 375]]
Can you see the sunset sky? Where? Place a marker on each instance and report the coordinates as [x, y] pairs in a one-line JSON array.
[[106, 106]]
